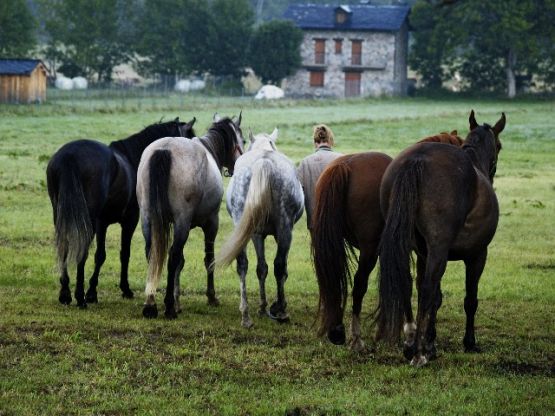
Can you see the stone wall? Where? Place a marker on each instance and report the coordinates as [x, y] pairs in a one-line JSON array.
[[382, 67]]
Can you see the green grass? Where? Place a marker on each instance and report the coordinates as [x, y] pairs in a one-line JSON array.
[[109, 360]]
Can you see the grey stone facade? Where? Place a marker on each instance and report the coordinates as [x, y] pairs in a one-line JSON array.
[[383, 66]]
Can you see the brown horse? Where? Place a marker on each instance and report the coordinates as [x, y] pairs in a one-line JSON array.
[[439, 201], [347, 215]]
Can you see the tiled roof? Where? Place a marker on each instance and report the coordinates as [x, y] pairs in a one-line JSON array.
[[362, 17], [18, 66]]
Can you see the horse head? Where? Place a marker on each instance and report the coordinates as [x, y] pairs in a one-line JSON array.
[[263, 141], [483, 140], [232, 144], [186, 129]]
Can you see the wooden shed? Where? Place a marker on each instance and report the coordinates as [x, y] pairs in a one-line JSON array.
[[22, 81]]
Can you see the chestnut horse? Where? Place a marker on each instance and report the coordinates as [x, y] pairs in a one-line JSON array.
[[347, 215], [438, 201]]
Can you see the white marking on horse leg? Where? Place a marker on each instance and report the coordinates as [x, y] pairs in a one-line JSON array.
[[357, 344], [150, 300], [409, 329], [244, 306], [419, 360]]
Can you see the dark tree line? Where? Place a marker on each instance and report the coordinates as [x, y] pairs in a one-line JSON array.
[[494, 45], [170, 38]]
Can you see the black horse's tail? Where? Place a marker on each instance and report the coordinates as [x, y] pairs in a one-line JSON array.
[[395, 280], [331, 252], [72, 220], [159, 212]]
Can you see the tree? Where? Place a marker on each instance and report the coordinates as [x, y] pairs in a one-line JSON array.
[[173, 45], [89, 36], [275, 50], [490, 44], [232, 22], [17, 29]]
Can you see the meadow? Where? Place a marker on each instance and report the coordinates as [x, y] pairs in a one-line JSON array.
[[109, 360]]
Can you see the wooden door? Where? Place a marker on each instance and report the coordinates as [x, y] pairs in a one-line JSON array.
[[352, 84]]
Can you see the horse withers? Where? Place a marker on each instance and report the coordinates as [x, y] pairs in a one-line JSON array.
[[347, 216], [264, 197], [438, 201], [180, 182], [91, 186]]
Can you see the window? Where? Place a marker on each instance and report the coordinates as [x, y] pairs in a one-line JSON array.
[[338, 46], [340, 17], [356, 52], [319, 51], [316, 78]]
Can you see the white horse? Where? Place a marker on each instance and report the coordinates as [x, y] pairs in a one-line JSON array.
[[264, 197], [180, 182]]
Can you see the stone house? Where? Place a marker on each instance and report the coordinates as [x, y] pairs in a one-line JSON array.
[[350, 50]]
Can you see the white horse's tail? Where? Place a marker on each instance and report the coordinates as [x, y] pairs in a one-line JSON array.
[[258, 204]]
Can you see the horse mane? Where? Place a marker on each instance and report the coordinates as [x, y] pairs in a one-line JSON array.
[[221, 134], [133, 146], [444, 137]]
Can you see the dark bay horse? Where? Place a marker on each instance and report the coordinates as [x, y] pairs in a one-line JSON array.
[[264, 198], [91, 186], [347, 215], [439, 201], [179, 182]]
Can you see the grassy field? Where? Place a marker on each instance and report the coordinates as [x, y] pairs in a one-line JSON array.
[[107, 359]]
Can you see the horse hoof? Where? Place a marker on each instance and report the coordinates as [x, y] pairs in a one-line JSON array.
[[419, 361], [127, 294], [64, 298], [357, 345], [82, 305], [280, 317], [247, 323], [409, 350], [170, 313], [91, 297], [472, 349], [213, 301], [150, 311], [337, 335]]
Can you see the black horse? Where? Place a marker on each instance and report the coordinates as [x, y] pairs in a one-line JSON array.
[[439, 201], [91, 186]]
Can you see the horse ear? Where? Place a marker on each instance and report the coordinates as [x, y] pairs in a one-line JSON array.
[[192, 122], [216, 118], [472, 120], [274, 134], [454, 133], [177, 120], [239, 119], [500, 125], [251, 136]]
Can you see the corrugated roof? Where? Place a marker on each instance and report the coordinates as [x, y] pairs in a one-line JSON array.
[[363, 17], [18, 66]]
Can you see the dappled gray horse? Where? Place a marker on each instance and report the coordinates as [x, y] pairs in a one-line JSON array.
[[180, 182], [264, 198]]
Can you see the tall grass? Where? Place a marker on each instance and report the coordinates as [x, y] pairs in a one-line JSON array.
[[109, 360]]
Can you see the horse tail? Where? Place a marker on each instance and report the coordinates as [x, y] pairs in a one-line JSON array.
[[160, 214], [331, 252], [395, 280], [72, 220], [258, 205]]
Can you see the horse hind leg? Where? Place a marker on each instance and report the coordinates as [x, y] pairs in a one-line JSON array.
[[242, 267], [278, 308], [127, 230], [99, 259], [80, 281], [261, 272], [210, 232], [176, 261], [366, 263], [436, 263], [64, 296], [474, 269]]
